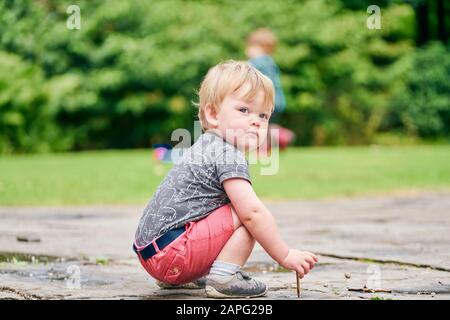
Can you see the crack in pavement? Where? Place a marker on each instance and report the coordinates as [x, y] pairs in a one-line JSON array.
[[20, 293], [396, 262]]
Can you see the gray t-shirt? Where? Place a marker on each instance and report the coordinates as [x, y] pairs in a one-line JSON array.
[[192, 188]]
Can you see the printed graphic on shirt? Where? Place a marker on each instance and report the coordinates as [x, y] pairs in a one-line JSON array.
[[193, 187]]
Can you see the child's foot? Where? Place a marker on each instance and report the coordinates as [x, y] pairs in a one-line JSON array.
[[196, 284], [238, 285]]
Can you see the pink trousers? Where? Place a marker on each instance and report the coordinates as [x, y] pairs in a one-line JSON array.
[[191, 255]]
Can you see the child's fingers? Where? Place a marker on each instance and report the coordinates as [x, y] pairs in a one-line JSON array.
[[300, 272], [311, 261], [306, 267], [312, 255]]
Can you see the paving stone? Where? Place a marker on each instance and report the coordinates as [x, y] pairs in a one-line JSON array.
[[397, 244]]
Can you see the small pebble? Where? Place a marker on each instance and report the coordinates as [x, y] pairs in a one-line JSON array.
[[348, 275]]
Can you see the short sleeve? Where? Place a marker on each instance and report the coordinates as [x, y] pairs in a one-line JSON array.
[[232, 164]]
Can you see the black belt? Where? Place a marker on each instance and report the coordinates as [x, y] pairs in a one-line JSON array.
[[162, 242]]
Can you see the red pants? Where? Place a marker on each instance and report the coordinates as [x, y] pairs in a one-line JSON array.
[[191, 255]]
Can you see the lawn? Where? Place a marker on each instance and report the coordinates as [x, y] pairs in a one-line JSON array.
[[130, 177]]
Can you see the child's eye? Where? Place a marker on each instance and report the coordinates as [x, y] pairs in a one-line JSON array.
[[264, 116], [243, 110]]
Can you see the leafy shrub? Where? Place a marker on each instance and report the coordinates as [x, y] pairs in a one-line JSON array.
[[422, 105], [128, 76]]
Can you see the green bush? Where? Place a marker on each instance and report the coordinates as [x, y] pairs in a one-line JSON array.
[[26, 121], [422, 105], [128, 76]]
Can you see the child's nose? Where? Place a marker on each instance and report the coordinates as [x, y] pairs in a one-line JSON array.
[[255, 121]]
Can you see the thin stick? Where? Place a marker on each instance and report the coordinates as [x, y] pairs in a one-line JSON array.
[[298, 284]]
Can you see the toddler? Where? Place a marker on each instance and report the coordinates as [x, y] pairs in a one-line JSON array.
[[200, 226]]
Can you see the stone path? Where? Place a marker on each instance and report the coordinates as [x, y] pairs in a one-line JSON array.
[[386, 247]]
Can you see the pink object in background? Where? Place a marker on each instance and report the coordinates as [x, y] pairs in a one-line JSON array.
[[158, 153], [285, 138]]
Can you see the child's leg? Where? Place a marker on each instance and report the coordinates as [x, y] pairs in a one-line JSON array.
[[239, 246], [226, 279], [191, 255]]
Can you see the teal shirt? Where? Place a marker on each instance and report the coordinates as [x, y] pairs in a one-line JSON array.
[[268, 67]]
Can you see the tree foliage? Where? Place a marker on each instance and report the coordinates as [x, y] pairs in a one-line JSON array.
[[128, 76]]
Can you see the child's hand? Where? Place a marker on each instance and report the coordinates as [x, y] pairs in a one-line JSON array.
[[300, 261]]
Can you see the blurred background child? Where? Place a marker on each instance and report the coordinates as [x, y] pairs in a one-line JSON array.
[[260, 45]]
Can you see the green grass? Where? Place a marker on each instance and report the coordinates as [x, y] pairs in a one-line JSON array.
[[124, 177]]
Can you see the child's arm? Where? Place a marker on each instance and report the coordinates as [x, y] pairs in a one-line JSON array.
[[262, 226]]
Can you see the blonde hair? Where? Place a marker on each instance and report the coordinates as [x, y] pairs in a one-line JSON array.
[[263, 38], [228, 77]]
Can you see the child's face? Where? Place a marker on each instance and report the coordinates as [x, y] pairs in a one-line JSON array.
[[254, 51], [243, 123]]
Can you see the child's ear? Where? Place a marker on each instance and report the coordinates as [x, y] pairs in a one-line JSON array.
[[211, 115]]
